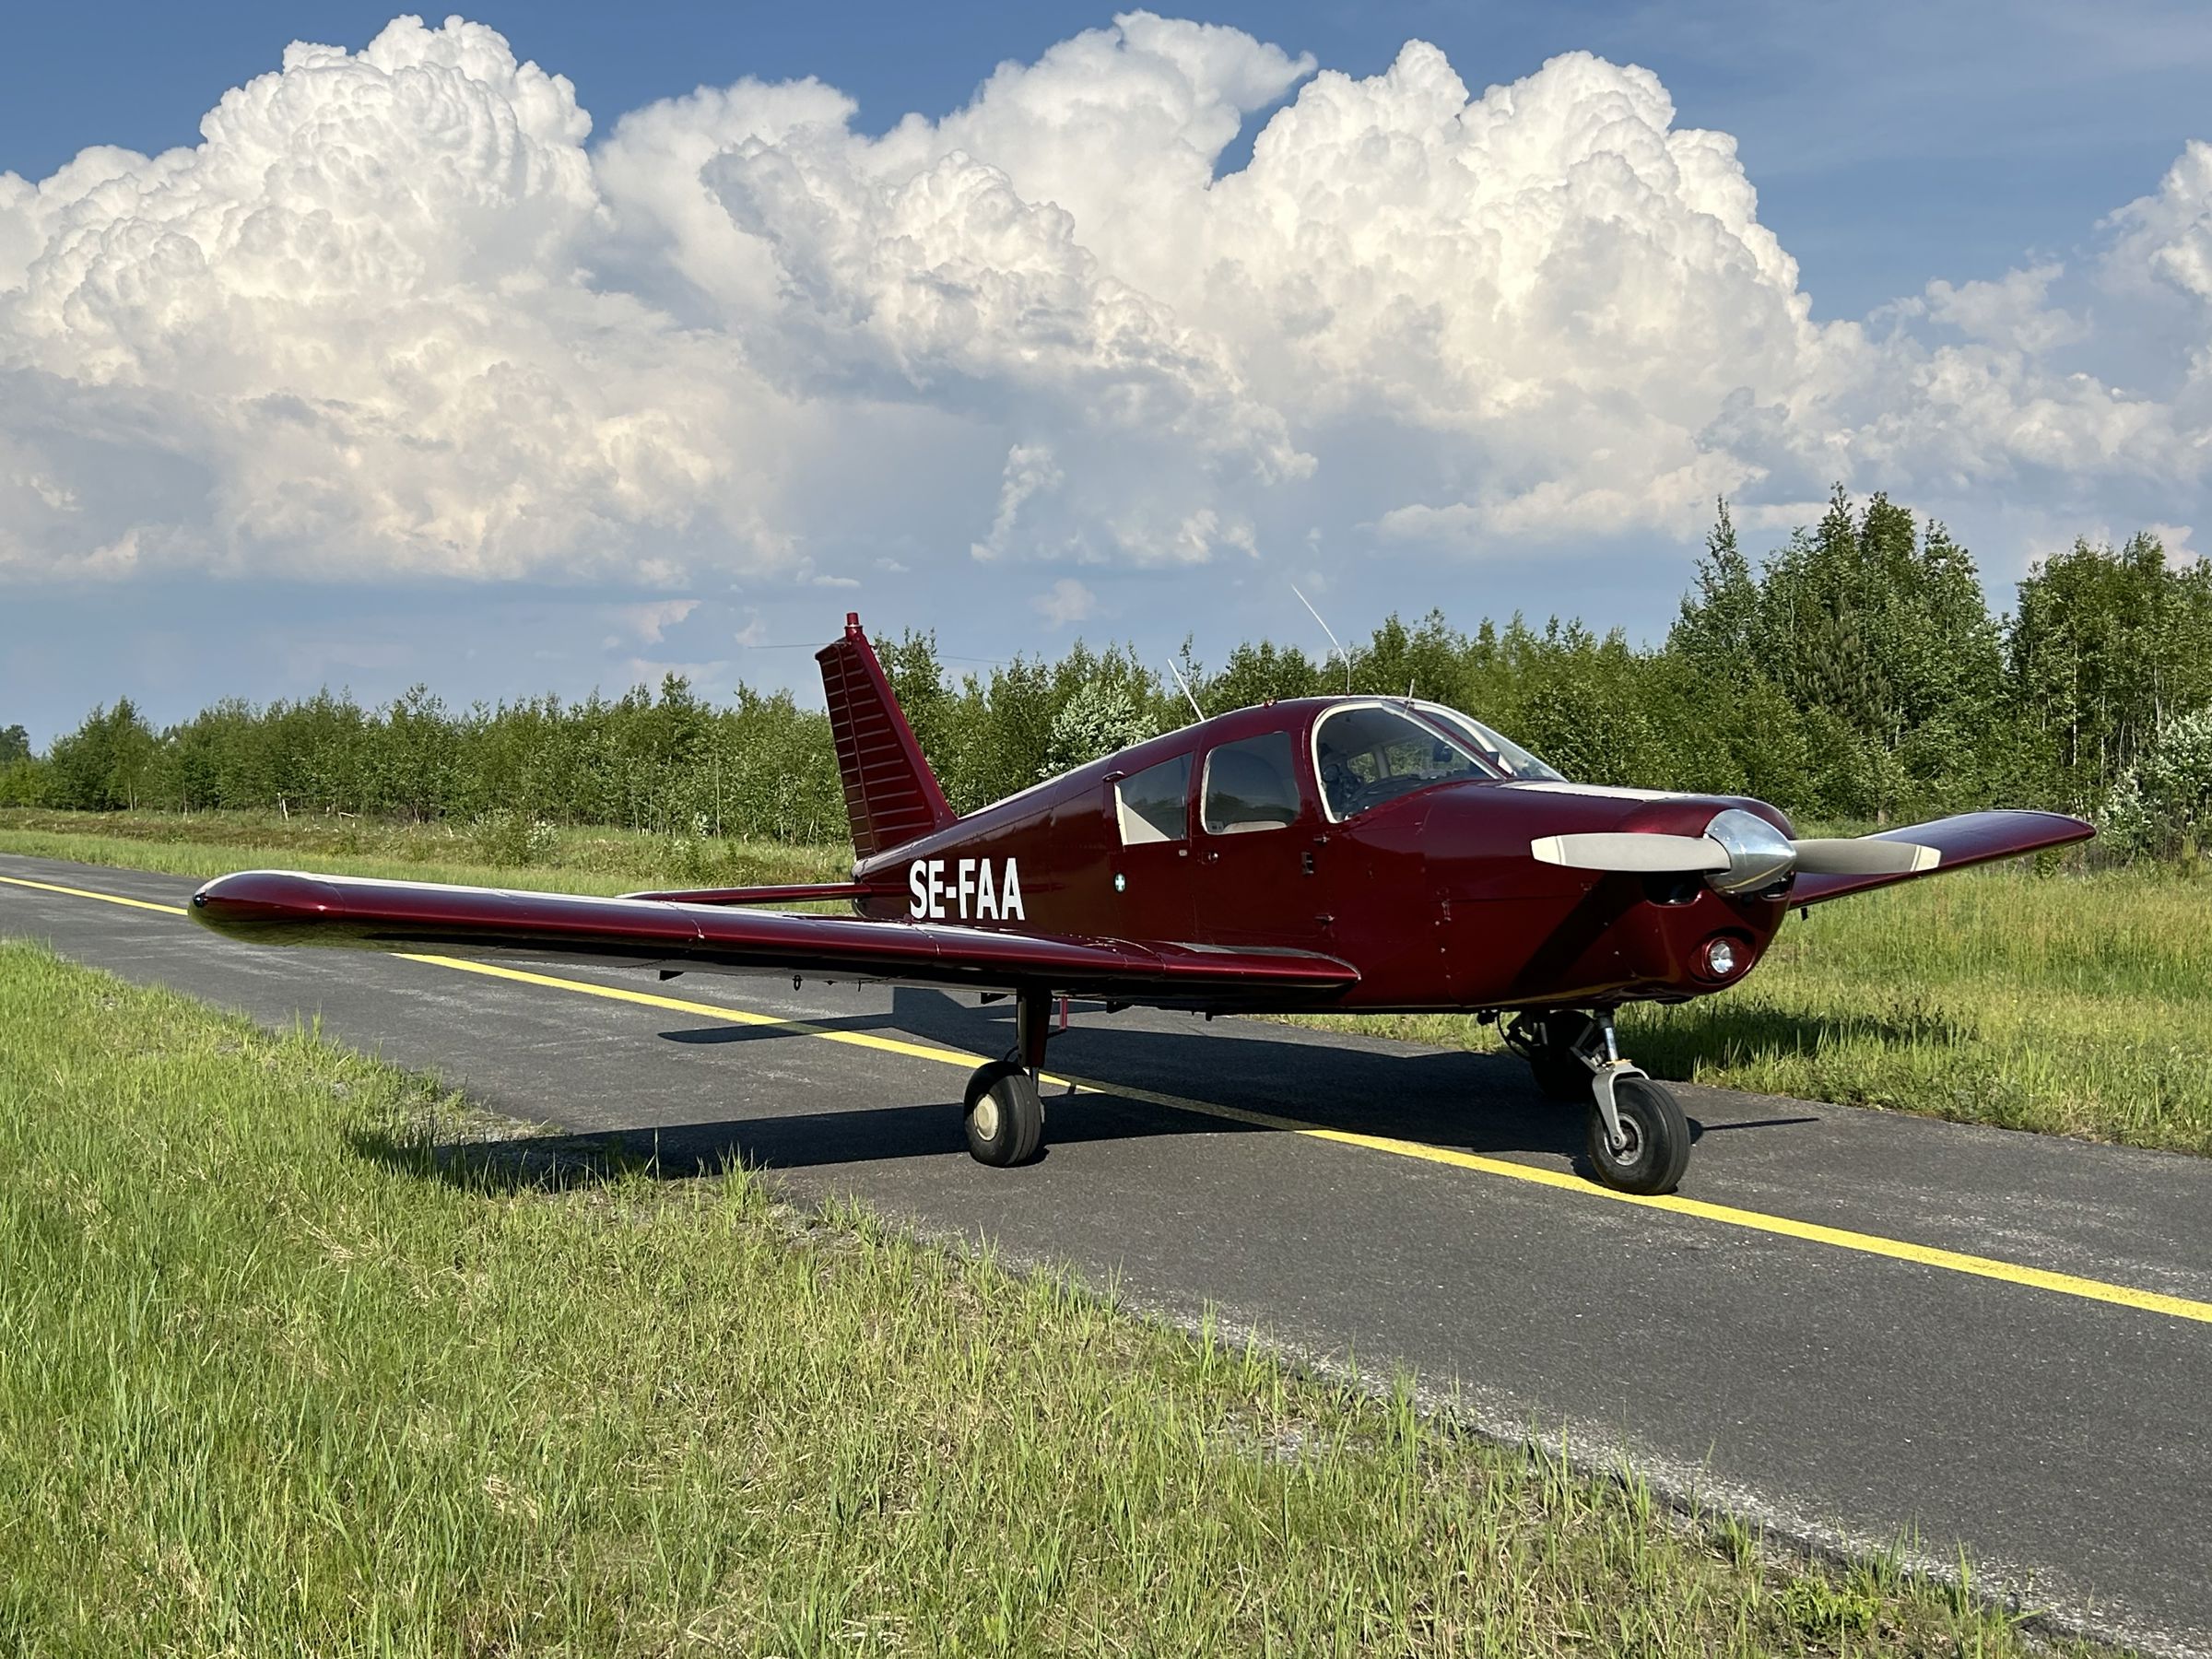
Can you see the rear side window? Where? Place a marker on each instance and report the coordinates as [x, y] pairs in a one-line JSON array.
[[1155, 804], [1250, 785]]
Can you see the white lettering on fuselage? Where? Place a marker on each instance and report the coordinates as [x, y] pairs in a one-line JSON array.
[[973, 894]]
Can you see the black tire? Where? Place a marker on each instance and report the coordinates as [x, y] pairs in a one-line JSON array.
[[1560, 1075], [1658, 1148], [1005, 1116]]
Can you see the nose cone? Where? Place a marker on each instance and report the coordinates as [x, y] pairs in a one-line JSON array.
[[269, 907]]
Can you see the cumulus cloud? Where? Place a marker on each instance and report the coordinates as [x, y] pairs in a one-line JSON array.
[[1029, 471], [1066, 601], [347, 330], [396, 314], [649, 623]]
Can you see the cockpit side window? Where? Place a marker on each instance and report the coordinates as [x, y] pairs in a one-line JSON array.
[[1250, 785], [1368, 754], [1155, 804]]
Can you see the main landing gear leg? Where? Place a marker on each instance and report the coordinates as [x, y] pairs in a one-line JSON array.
[[1004, 1111], [1639, 1140]]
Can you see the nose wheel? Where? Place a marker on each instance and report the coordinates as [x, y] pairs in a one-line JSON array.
[[1646, 1147], [1638, 1139]]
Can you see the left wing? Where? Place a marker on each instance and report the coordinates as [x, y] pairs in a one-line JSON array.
[[284, 907]]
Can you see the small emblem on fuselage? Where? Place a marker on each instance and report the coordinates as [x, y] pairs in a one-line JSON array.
[[978, 891]]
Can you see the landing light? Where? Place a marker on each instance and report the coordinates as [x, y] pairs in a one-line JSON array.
[[1720, 958]]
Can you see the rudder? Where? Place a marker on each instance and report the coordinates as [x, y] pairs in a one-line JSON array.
[[890, 793]]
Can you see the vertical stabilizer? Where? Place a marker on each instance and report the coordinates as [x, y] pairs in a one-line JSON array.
[[889, 790]]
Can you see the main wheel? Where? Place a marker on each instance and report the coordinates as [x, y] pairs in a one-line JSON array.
[[1005, 1115], [1657, 1136]]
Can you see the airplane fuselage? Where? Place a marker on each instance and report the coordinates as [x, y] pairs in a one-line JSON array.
[[1433, 896]]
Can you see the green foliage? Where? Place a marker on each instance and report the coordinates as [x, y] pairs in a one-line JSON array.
[[105, 764], [761, 766], [1852, 672], [2108, 647], [2162, 805], [23, 782], [1098, 718], [505, 838], [1888, 663], [15, 745]]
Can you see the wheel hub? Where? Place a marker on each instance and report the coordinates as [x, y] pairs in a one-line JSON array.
[[987, 1114]]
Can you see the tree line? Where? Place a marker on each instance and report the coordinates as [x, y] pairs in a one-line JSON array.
[[1852, 672]]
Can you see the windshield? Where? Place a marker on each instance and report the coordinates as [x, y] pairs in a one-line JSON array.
[[1501, 751], [1367, 753]]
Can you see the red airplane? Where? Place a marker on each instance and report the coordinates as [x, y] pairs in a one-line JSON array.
[[1339, 854]]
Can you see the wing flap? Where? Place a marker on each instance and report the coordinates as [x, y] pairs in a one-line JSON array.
[[282, 907], [1971, 838]]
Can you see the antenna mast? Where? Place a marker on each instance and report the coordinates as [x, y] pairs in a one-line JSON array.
[[1344, 656], [1187, 689]]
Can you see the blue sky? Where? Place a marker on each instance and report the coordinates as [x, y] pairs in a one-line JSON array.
[[714, 418]]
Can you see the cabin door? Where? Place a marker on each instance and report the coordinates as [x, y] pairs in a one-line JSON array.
[[1255, 849]]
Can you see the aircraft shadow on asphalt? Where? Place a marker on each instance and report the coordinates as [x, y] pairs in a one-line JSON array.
[[1483, 1103]]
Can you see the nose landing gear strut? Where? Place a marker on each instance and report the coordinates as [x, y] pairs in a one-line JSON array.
[[1639, 1140]]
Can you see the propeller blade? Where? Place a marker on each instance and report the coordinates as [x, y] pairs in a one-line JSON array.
[[1863, 855], [1629, 853]]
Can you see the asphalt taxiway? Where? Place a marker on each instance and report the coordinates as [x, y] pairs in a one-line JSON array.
[[1849, 1325]]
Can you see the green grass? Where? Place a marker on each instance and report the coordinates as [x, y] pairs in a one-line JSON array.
[[2071, 1003], [577, 861], [298, 1355]]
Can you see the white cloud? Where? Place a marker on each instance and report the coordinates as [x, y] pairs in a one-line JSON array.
[[647, 623], [348, 328], [2010, 312], [1029, 471], [2168, 236], [1066, 601], [395, 315]]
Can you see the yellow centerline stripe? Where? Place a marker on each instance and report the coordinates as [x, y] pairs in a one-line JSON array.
[[48, 887], [1928, 1256], [1840, 1238]]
